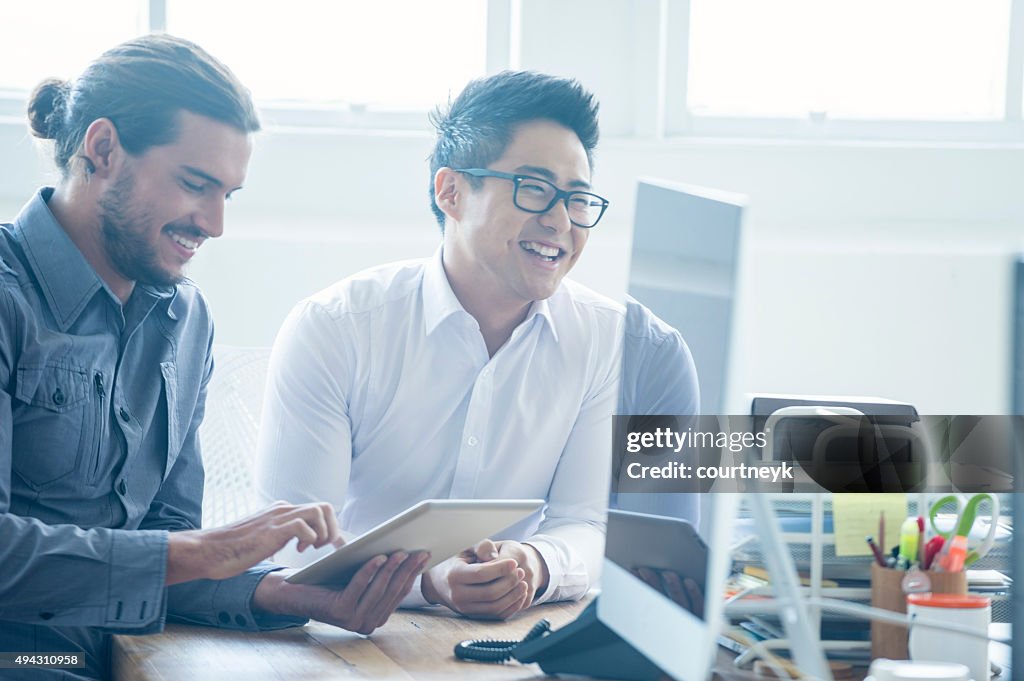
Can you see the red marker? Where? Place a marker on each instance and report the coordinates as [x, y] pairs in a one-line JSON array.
[[920, 540], [931, 550]]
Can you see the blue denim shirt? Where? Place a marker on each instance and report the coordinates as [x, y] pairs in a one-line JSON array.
[[99, 455]]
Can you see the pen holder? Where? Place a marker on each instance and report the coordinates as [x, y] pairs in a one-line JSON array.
[[890, 640]]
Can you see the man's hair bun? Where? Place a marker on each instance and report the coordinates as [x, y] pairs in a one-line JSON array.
[[46, 107]]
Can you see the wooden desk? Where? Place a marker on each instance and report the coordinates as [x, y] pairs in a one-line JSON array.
[[414, 644]]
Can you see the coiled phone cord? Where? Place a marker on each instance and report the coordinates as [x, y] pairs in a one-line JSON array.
[[497, 652]]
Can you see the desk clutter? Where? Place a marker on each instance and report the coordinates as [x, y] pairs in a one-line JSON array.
[[950, 561], [851, 574]]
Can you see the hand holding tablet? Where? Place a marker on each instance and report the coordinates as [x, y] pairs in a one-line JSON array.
[[444, 527], [364, 604]]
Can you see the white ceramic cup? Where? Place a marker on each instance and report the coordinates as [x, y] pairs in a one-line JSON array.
[[901, 670], [938, 645]]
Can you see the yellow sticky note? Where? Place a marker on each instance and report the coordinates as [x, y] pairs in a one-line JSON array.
[[855, 517]]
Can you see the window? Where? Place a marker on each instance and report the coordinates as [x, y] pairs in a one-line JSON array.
[[911, 59], [401, 54], [60, 38]]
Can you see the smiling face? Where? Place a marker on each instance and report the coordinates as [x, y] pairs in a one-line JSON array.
[[164, 203], [512, 256]]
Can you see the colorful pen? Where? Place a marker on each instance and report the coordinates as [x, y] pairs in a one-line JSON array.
[[957, 554], [931, 550], [877, 551], [908, 542], [881, 531]]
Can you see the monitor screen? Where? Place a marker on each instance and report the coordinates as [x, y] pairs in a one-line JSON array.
[[686, 243], [666, 557]]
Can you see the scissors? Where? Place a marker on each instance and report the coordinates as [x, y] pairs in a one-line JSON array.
[[967, 512]]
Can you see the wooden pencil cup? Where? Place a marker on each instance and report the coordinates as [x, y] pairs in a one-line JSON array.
[[890, 640]]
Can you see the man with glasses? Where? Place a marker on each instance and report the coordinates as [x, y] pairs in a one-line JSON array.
[[478, 373]]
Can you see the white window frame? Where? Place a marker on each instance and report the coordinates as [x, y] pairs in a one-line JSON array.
[[316, 118], [659, 113]]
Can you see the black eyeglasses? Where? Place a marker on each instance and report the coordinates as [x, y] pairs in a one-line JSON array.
[[534, 195]]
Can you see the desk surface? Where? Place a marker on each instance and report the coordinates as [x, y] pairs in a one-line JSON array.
[[414, 644]]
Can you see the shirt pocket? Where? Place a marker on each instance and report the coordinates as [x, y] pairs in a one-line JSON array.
[[175, 437], [53, 423]]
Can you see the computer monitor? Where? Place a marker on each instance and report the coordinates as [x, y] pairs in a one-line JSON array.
[[1017, 392], [685, 259], [686, 245], [679, 642]]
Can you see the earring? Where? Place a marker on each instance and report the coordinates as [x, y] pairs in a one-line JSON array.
[[90, 167]]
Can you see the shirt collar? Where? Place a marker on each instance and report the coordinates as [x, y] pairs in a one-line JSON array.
[[542, 309], [65, 277], [440, 302]]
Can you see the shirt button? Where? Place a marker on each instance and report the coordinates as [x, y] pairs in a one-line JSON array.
[[46, 615], [124, 415], [472, 441], [240, 621], [58, 397], [224, 618], [122, 487]]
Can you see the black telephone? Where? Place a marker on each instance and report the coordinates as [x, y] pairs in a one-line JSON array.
[[586, 647]]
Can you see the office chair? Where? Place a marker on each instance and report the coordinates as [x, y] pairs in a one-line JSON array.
[[234, 400]]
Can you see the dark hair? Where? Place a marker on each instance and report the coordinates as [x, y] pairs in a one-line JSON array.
[[477, 127], [140, 85]]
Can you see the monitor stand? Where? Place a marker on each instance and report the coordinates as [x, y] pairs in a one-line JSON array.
[[805, 642]]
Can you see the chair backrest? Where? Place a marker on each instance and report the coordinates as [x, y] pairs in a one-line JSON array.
[[228, 433]]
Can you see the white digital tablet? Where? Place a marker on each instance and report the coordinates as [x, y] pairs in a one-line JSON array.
[[636, 540], [442, 526]]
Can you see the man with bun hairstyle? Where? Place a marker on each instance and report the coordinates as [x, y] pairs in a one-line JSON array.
[[481, 372], [105, 356]]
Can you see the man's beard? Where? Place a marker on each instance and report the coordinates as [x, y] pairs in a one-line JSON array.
[[127, 239]]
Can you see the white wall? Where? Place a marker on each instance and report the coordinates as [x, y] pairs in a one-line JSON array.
[[878, 269]]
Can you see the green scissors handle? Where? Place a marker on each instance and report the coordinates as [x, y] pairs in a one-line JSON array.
[[967, 512]]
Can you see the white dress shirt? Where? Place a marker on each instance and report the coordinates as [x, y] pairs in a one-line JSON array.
[[381, 394]]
